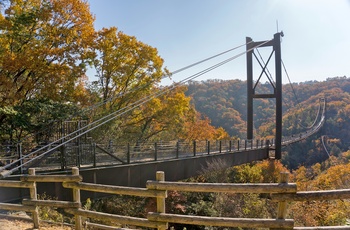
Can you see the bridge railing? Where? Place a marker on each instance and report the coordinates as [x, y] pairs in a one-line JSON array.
[[303, 135], [282, 193], [87, 154]]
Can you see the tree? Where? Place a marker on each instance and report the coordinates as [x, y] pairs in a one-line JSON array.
[[161, 118], [127, 69], [44, 46], [128, 73], [36, 116], [44, 49], [321, 213], [199, 128]]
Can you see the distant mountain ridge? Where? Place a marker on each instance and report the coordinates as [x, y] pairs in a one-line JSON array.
[[224, 103]]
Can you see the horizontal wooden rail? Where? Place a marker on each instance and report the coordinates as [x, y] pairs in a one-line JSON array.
[[223, 187], [52, 178], [221, 221], [111, 217], [17, 207], [119, 190], [52, 203], [313, 195], [102, 227], [323, 227], [16, 184], [280, 192]]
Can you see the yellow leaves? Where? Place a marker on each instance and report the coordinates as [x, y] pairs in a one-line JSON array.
[[42, 47], [316, 169], [80, 93], [321, 213], [221, 134], [334, 141], [346, 155], [271, 170], [299, 176], [122, 63], [336, 177]]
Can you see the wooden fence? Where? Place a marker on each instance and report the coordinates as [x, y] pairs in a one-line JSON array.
[[280, 192]]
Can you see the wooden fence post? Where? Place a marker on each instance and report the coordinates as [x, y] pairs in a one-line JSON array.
[[76, 198], [282, 205], [161, 201], [33, 196]]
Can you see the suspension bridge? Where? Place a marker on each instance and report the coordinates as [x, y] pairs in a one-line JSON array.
[[134, 164]]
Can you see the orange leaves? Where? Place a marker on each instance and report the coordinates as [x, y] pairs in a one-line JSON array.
[[321, 213], [42, 47], [200, 128]]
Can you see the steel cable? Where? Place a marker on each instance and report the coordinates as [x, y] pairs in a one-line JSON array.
[[82, 131]]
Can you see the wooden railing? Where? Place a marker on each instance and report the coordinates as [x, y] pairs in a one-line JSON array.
[[280, 192]]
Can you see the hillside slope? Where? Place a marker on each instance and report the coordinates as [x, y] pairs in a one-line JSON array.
[[225, 102]]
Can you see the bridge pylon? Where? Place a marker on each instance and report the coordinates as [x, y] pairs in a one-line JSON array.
[[275, 43]]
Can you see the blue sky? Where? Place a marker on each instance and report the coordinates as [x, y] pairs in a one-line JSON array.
[[316, 44]]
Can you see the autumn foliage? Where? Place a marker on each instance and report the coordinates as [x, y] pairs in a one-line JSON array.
[[48, 46], [46, 50]]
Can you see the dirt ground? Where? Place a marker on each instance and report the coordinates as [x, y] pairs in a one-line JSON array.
[[14, 223]]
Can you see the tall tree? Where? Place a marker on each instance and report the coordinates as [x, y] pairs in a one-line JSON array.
[[44, 46], [162, 118], [127, 69]]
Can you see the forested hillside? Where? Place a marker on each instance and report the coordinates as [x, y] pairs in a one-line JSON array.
[[47, 48], [43, 84], [224, 102]]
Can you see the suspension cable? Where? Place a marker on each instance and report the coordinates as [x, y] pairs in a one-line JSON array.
[[324, 146], [82, 131], [207, 59], [295, 95], [175, 72], [95, 106], [315, 120], [296, 98]]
